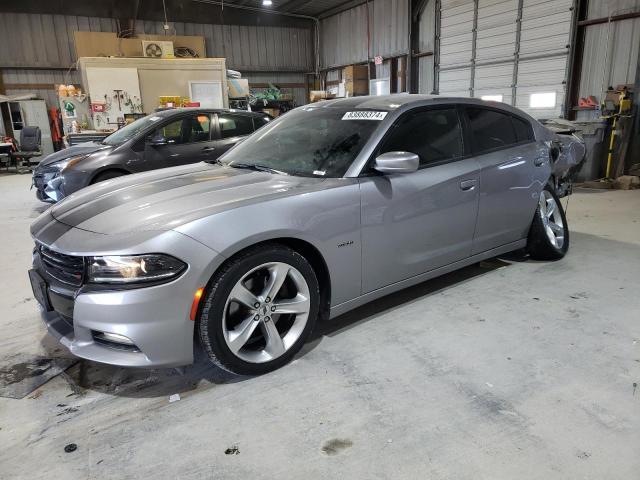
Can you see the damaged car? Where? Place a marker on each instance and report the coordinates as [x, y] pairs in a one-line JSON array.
[[326, 208], [164, 139]]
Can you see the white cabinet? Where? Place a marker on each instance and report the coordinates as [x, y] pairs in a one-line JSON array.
[[28, 113], [34, 114]]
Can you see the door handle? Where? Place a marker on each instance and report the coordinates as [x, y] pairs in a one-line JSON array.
[[467, 185]]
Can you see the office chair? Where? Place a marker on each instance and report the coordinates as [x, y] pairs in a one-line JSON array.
[[30, 143]]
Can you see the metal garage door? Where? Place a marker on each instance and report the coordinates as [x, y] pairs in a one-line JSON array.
[[515, 51]]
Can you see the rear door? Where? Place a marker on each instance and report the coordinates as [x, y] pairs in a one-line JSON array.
[[416, 222], [504, 146], [232, 128]]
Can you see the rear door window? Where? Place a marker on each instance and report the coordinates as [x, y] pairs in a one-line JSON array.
[[490, 129], [523, 129], [234, 125], [197, 128]]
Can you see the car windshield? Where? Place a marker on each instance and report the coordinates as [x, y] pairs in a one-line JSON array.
[[125, 133], [314, 142]]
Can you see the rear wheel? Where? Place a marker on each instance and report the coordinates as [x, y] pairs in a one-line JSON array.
[[108, 175], [549, 233], [259, 310]]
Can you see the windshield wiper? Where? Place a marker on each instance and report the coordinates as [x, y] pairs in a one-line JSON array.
[[256, 167]]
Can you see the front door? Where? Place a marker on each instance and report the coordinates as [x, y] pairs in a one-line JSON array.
[[186, 140], [416, 222]]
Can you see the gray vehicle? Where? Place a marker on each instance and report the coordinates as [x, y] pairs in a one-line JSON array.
[[165, 139], [324, 209]]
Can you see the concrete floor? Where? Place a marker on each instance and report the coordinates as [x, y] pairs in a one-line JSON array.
[[508, 369]]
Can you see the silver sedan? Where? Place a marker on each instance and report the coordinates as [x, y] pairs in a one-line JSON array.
[[329, 207]]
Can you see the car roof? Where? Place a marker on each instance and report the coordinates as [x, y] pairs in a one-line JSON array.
[[176, 111], [397, 100]]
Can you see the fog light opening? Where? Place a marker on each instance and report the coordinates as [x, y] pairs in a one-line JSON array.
[[114, 340], [114, 337]]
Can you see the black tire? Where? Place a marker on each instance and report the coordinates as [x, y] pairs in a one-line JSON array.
[[108, 175], [539, 245], [209, 322]]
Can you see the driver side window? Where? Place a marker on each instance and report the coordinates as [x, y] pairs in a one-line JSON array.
[[434, 135], [172, 132], [193, 128]]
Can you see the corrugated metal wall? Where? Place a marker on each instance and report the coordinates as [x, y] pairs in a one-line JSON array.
[[426, 43], [343, 37], [30, 41], [248, 48], [610, 50], [39, 77]]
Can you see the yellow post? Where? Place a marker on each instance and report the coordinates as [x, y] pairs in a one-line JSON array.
[[611, 143], [613, 134]]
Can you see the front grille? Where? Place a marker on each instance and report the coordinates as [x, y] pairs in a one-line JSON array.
[[67, 269]]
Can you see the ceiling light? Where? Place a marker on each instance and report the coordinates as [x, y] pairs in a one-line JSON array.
[[267, 3]]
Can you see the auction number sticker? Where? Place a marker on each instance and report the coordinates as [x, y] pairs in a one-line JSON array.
[[364, 115]]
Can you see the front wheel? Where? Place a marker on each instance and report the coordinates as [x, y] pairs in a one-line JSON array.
[[549, 233], [259, 310], [108, 175]]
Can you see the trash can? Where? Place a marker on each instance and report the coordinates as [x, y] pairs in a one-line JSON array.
[[595, 136]]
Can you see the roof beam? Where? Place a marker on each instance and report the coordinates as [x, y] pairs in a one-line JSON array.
[[341, 8], [293, 5]]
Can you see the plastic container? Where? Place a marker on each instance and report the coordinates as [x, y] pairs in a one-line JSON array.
[[595, 140]]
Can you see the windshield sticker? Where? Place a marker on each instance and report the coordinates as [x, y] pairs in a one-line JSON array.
[[320, 172], [364, 115]]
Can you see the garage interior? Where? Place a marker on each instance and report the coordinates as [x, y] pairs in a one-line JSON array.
[[509, 368]]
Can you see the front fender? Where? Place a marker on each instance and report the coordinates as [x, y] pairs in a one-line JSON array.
[[328, 219]]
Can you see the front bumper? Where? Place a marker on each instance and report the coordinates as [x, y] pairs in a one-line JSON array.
[[52, 186], [154, 321], [155, 318]]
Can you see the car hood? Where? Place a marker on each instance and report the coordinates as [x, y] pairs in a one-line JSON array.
[[167, 198], [81, 149]]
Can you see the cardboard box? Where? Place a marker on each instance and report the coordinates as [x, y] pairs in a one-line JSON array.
[[274, 112], [356, 72], [317, 95], [354, 88]]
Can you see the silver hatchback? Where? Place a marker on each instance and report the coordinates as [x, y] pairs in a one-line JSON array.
[[322, 210]]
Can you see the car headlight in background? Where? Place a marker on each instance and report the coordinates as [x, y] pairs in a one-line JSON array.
[[62, 165], [125, 269]]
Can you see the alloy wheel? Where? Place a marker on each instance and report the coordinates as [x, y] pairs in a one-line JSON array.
[[266, 312], [551, 219]]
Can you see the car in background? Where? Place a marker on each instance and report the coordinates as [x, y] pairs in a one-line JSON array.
[[328, 207], [164, 139]]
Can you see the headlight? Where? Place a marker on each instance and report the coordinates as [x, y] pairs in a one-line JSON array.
[[67, 162], [116, 269]]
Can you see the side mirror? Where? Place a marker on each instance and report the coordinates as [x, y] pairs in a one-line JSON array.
[[397, 162], [156, 139]]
